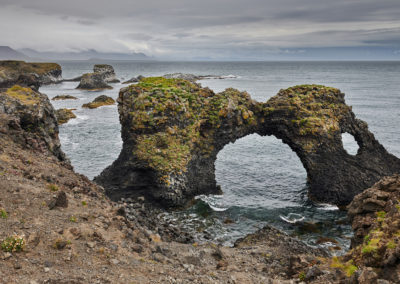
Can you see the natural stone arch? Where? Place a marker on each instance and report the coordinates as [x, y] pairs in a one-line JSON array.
[[172, 130]]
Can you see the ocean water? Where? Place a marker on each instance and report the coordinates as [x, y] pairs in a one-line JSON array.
[[263, 181]]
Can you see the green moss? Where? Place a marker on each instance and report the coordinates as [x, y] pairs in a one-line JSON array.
[[348, 267], [3, 214], [24, 67], [391, 245], [52, 187], [23, 94], [371, 246], [174, 116]]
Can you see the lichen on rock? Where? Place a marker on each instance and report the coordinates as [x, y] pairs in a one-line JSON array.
[[64, 97], [173, 129]]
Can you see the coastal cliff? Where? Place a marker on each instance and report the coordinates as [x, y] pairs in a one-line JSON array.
[[173, 129], [30, 75]]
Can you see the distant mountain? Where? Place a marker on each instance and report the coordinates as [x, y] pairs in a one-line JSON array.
[[90, 54], [7, 53]]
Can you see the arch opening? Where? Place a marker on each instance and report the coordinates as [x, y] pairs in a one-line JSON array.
[[350, 144]]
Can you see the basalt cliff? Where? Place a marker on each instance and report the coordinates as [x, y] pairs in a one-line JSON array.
[[173, 129], [31, 75]]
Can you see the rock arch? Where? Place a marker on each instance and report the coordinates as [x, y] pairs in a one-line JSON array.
[[173, 129]]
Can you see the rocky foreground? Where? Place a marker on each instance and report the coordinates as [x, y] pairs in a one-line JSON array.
[[56, 226]]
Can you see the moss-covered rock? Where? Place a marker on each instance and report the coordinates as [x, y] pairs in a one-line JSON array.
[[29, 118], [64, 115], [375, 216], [173, 129], [28, 74], [64, 97], [100, 101]]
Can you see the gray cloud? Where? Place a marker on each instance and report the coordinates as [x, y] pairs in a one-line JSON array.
[[208, 28]]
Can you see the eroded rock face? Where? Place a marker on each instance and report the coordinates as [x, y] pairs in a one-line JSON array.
[[375, 216], [30, 75], [29, 118], [173, 129], [64, 115]]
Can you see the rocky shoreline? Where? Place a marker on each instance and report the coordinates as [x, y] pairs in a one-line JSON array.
[[56, 226]]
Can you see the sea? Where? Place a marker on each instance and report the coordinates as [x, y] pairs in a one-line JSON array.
[[263, 181]]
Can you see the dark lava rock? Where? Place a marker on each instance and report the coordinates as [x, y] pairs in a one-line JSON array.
[[60, 200], [29, 118], [64, 97], [64, 115], [30, 75], [107, 71], [173, 129], [100, 101], [93, 81], [134, 79]]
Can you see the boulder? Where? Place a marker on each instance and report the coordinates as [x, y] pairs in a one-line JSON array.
[[100, 101], [93, 82], [29, 118], [31, 75], [64, 115], [107, 71], [172, 131]]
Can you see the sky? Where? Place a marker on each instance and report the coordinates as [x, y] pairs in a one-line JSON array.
[[207, 29]]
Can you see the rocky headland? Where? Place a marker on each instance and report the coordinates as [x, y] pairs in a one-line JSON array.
[[30, 75], [56, 226], [173, 129]]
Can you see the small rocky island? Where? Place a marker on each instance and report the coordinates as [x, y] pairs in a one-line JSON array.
[[57, 226], [99, 79], [100, 101]]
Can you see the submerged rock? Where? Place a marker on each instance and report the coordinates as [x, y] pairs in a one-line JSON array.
[[30, 75], [93, 82], [29, 118], [100, 101], [64, 97], [173, 129], [64, 115]]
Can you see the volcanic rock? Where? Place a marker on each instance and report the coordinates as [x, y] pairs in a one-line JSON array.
[[28, 117], [30, 75], [172, 131], [93, 81], [107, 71], [64, 115], [100, 101]]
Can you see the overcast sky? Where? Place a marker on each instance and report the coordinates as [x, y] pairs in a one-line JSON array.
[[216, 29]]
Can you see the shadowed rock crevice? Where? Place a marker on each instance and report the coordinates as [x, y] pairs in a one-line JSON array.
[[173, 129]]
